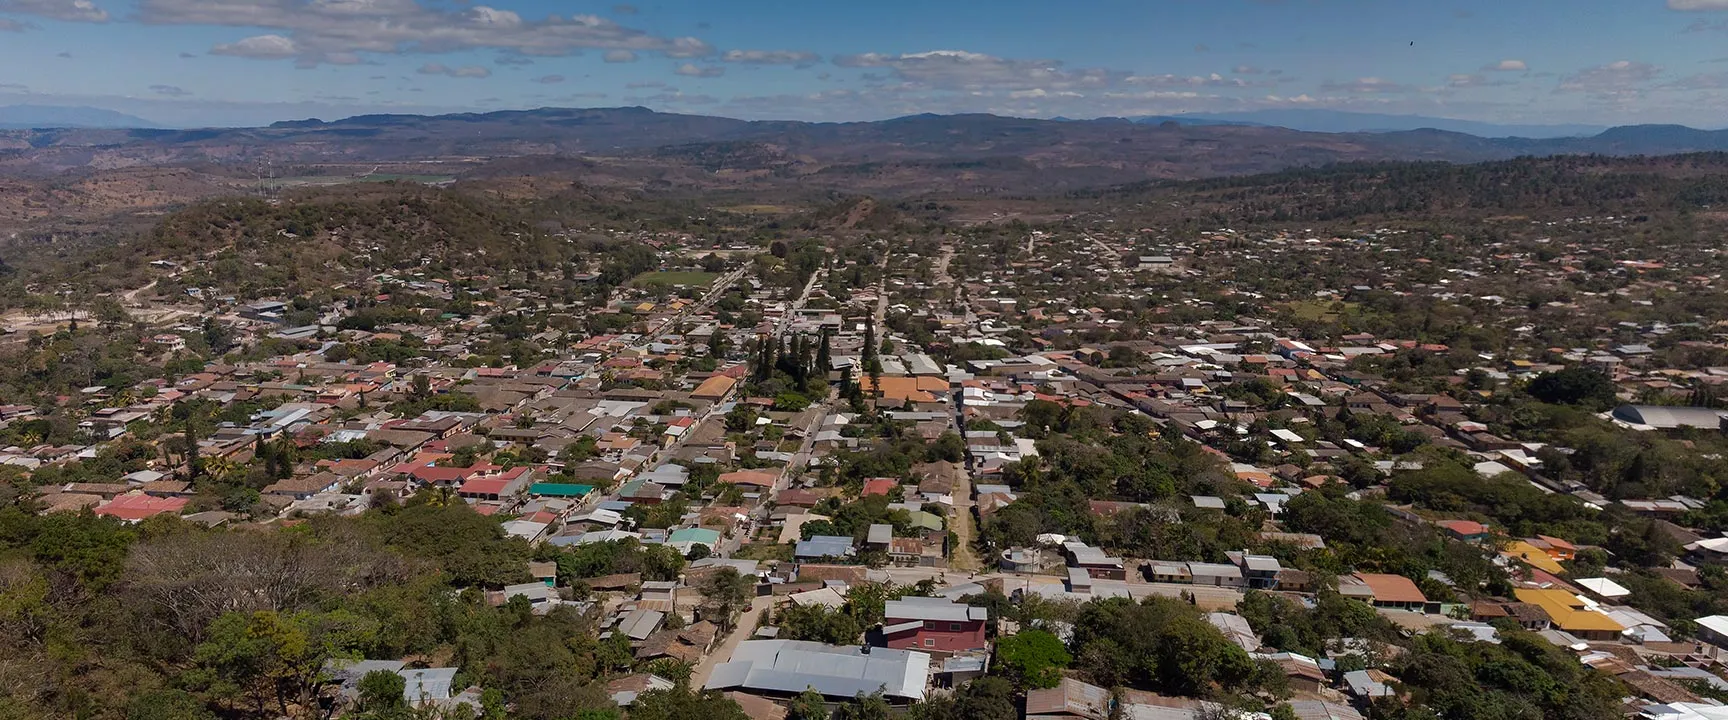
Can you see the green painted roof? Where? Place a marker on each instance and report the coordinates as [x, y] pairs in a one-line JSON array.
[[560, 489], [705, 536], [927, 521]]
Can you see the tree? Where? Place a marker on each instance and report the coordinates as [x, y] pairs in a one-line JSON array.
[[1574, 386], [682, 703], [1032, 658], [168, 705], [809, 705], [382, 690], [726, 592], [864, 707], [819, 624]]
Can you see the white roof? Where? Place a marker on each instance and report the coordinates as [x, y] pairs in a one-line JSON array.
[[1604, 587], [1714, 623]]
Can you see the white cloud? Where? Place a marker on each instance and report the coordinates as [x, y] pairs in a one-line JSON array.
[[324, 29], [1506, 66], [620, 56], [169, 90], [1366, 86], [262, 47], [1619, 80], [1214, 80], [466, 71], [1697, 5], [772, 57], [68, 10], [961, 70], [1247, 70], [703, 71], [549, 79]]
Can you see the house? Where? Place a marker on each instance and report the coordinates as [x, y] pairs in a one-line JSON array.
[[135, 506], [938, 626], [1216, 575], [305, 486], [824, 546], [1559, 550], [1528, 616], [751, 478], [1070, 700], [1260, 571], [1159, 571], [785, 668], [1465, 530], [1236, 628], [1522, 551], [1368, 684], [1384, 591], [540, 596], [1713, 629], [1094, 561], [878, 537], [906, 552], [715, 389], [1572, 614], [686, 539]]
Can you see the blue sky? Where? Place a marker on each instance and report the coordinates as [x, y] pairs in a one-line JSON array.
[[199, 62]]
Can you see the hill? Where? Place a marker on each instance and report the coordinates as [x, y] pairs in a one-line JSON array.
[[24, 117], [1336, 121]]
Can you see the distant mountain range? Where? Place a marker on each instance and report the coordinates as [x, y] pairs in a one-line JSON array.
[[919, 154], [1335, 121], [25, 117]]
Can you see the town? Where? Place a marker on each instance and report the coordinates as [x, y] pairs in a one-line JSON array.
[[1055, 470]]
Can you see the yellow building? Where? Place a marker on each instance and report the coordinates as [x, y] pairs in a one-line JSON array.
[[1571, 614], [1533, 556]]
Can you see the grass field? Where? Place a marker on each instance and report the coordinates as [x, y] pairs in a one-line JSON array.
[[1316, 310], [675, 278]]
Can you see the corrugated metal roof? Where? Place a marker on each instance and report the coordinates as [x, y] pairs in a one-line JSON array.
[[836, 671]]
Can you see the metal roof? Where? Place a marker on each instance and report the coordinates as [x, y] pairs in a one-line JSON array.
[[836, 671], [938, 609], [825, 546], [1659, 416], [427, 684]]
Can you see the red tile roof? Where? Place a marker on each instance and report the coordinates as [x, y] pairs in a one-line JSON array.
[[140, 506]]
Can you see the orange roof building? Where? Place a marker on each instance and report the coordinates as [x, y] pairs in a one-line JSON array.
[[1393, 591], [906, 388], [756, 478], [715, 388]]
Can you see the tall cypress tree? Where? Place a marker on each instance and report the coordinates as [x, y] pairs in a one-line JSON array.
[[824, 356]]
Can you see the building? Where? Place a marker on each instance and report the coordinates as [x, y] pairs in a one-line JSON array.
[[1070, 700], [1216, 575], [785, 668], [1713, 629], [1465, 530], [1094, 561], [1572, 614], [824, 546], [1661, 417], [1384, 591], [935, 625]]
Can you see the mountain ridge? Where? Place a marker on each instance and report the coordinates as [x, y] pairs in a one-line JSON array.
[[910, 155], [26, 117]]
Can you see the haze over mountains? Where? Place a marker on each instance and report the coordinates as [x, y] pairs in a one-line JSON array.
[[24, 117], [1336, 121], [904, 156]]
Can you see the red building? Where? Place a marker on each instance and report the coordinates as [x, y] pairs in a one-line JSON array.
[[933, 625]]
